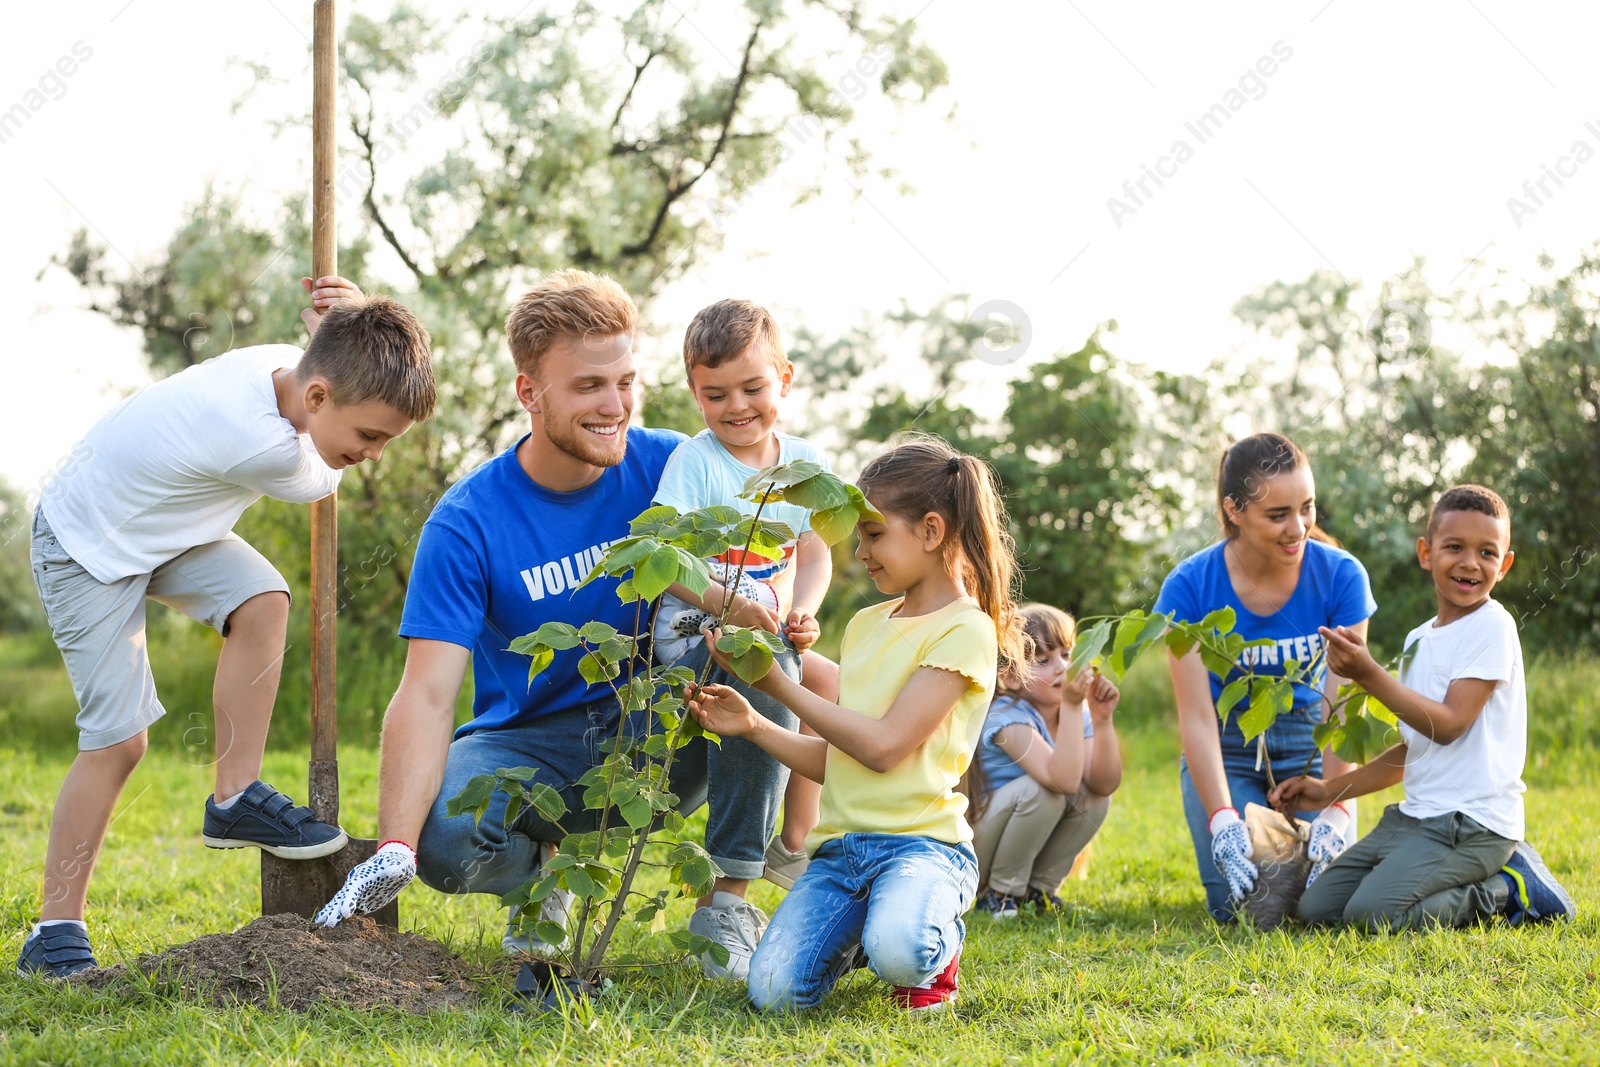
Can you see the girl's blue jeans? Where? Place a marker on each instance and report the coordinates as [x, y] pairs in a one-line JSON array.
[[1289, 746], [892, 902]]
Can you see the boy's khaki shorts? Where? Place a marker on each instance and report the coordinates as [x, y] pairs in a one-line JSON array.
[[100, 628]]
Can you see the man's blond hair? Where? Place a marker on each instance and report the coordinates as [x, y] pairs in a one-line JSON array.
[[571, 304]]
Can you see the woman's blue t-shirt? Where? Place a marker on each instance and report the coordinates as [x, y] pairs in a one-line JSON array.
[[1333, 590]]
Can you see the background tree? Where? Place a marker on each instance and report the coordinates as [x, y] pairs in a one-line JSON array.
[[570, 137]]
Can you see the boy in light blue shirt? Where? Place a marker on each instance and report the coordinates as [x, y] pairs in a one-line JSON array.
[[739, 374]]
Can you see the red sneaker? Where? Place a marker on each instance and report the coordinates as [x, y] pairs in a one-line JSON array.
[[933, 996]]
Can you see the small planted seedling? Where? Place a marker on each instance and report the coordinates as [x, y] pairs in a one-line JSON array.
[[1357, 726], [630, 787]]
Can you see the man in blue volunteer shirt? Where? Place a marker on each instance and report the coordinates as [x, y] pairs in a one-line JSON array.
[[501, 555]]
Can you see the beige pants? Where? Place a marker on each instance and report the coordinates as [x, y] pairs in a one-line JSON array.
[[1029, 836]]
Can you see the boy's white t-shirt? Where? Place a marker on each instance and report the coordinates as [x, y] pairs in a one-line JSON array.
[[1479, 773], [176, 464]]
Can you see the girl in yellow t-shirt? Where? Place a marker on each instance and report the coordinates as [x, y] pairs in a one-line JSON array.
[[892, 867]]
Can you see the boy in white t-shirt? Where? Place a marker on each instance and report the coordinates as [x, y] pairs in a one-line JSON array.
[[1451, 853], [738, 373], [149, 513]]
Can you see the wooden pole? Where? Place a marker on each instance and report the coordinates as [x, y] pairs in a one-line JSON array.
[[324, 783], [301, 887]]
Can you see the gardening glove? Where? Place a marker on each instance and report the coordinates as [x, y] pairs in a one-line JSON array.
[[1328, 839], [372, 884], [1231, 851]]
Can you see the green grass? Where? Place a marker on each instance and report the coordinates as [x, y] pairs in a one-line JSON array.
[[1134, 973]]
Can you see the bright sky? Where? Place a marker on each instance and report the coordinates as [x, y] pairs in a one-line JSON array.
[[1356, 133]]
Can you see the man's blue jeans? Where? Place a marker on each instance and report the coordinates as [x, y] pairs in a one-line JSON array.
[[1289, 746], [744, 786], [896, 898], [456, 856]]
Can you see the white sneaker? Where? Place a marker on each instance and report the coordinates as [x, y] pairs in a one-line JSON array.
[[784, 868], [555, 908], [735, 924]]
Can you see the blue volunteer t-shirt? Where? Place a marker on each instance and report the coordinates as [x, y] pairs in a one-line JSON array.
[[499, 557], [1332, 591]]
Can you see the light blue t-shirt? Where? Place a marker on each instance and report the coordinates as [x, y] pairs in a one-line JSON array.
[[1332, 591], [500, 556], [999, 769], [702, 472]]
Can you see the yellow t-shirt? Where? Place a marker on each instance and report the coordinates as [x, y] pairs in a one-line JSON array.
[[879, 655]]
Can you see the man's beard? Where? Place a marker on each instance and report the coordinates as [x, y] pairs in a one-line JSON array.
[[583, 446]]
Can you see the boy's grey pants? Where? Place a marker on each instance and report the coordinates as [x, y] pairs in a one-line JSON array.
[[1029, 836], [1413, 873]]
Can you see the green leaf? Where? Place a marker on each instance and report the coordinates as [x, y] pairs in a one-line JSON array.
[[652, 520], [1089, 645], [652, 576], [696, 874], [1128, 628], [1217, 662], [1231, 694], [780, 476], [596, 632], [637, 812], [753, 664], [714, 515], [1181, 638], [578, 882], [548, 932], [557, 635], [595, 670], [543, 656], [1258, 714], [547, 802], [1380, 711], [1222, 620], [835, 524], [474, 797], [820, 492], [693, 572], [626, 592], [1327, 733]]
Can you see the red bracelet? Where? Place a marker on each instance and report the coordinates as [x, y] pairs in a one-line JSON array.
[[1340, 805], [397, 841], [1225, 807]]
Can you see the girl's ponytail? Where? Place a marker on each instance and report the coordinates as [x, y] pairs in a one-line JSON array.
[[921, 474]]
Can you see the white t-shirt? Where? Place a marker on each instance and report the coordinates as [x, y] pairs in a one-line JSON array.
[[176, 464], [1479, 773]]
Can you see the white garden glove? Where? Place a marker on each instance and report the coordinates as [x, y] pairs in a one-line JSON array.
[[1329, 837], [372, 884], [1231, 851]]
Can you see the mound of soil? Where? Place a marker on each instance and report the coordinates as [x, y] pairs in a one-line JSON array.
[[289, 962]]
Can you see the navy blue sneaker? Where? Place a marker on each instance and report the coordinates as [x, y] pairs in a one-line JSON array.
[[266, 819], [1042, 902], [56, 951], [998, 905], [1536, 896]]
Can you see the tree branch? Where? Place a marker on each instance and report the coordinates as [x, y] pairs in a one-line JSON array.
[[674, 191]]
